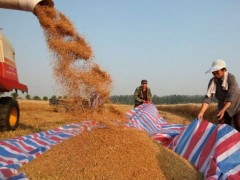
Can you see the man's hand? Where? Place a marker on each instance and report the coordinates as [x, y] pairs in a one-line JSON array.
[[146, 102], [221, 115], [222, 112], [200, 116], [202, 111]]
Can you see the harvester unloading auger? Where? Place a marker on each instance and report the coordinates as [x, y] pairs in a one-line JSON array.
[[9, 109]]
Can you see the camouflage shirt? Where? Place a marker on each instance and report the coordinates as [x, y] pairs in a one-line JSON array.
[[138, 95]]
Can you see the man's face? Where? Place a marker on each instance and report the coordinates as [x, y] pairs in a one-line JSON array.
[[144, 85], [218, 74]]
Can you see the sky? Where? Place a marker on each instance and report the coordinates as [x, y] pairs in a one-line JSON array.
[[170, 43]]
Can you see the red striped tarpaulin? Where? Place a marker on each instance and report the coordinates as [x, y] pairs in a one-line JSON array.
[[214, 150]]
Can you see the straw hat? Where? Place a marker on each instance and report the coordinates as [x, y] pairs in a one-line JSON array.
[[217, 65]]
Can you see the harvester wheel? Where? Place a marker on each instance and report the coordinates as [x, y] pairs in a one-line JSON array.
[[9, 113]]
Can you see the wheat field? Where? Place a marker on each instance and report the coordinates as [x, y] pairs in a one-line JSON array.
[[190, 111]]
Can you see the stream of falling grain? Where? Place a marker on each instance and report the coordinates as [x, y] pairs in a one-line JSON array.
[[82, 81]]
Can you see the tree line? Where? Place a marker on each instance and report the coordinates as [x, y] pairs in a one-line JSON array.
[[170, 99], [44, 98], [129, 99]]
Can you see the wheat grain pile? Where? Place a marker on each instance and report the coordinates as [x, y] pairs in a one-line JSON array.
[[100, 154], [110, 154], [81, 80]]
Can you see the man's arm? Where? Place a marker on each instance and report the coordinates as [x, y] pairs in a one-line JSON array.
[[136, 95], [205, 104], [150, 96], [202, 111]]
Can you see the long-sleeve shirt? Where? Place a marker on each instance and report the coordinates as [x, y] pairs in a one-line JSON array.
[[231, 95], [138, 95]]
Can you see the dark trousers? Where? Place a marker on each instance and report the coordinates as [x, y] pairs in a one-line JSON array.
[[236, 119]]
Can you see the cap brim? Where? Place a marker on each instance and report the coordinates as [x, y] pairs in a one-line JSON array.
[[208, 71], [212, 69]]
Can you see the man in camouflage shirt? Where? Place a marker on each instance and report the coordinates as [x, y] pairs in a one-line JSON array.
[[142, 94]]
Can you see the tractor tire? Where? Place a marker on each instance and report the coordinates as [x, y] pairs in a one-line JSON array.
[[9, 113]]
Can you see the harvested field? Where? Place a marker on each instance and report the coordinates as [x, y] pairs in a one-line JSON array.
[[38, 116], [190, 111], [175, 119]]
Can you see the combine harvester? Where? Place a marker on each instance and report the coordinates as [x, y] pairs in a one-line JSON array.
[[9, 109]]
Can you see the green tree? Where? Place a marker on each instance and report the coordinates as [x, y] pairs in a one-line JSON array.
[[36, 98], [14, 95], [28, 97], [45, 98], [170, 99], [54, 97]]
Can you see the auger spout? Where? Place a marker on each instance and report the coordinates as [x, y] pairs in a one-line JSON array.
[[24, 5]]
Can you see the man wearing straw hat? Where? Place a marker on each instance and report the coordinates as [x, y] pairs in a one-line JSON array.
[[142, 94], [226, 90]]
